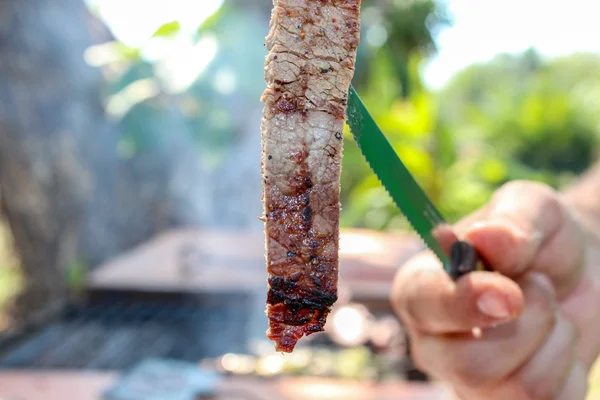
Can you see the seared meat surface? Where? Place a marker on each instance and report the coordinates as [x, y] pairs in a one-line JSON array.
[[312, 50]]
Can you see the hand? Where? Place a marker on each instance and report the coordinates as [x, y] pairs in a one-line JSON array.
[[539, 315]]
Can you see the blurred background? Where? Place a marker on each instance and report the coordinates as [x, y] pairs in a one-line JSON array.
[[130, 183]]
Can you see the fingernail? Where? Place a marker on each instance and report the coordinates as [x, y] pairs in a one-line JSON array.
[[493, 304]]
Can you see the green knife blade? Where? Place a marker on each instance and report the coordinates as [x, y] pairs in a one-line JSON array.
[[406, 193]]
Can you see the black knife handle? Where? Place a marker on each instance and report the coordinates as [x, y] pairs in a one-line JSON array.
[[464, 258]]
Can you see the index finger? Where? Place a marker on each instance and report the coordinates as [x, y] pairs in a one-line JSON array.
[[527, 228], [427, 299]]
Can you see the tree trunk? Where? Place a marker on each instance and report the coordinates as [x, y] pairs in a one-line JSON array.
[[51, 125], [68, 197]]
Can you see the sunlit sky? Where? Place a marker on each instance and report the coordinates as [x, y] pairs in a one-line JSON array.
[[134, 21], [481, 28], [484, 28]]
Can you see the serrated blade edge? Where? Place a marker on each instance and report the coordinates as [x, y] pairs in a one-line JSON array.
[[394, 176]]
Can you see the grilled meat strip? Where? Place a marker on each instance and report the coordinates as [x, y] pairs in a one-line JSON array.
[[312, 51]]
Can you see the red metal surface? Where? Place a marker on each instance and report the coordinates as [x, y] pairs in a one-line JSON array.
[[235, 260], [20, 385], [41, 385]]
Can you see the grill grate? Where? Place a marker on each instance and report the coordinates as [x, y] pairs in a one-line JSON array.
[[116, 335]]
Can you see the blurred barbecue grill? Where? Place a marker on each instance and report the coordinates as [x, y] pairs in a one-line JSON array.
[[187, 295], [115, 334]]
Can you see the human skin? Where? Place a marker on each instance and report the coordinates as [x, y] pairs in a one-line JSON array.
[[538, 313]]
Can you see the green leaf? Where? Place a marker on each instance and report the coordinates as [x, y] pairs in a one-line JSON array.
[[76, 272], [168, 30], [494, 171], [211, 23], [127, 53]]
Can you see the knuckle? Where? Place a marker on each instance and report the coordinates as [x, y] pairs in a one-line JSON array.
[[428, 355], [542, 306], [541, 381], [542, 193], [573, 334], [522, 187], [545, 308], [463, 366], [471, 371], [546, 322]]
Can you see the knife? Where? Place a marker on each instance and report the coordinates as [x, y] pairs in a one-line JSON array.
[[457, 256]]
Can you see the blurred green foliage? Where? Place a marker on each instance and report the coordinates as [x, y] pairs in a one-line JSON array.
[[516, 117], [398, 31], [225, 57], [10, 277]]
